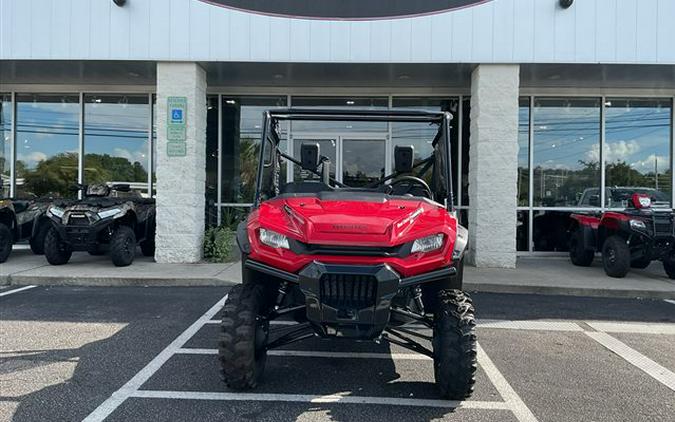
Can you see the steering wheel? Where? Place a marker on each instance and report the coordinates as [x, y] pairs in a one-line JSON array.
[[412, 181]]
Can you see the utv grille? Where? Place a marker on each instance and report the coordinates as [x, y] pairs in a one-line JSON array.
[[348, 291], [78, 220], [663, 225]]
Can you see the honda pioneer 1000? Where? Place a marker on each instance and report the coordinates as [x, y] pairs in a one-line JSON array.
[[106, 218], [359, 263], [20, 220]]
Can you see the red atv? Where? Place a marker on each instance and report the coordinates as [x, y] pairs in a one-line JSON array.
[[633, 237], [359, 263]]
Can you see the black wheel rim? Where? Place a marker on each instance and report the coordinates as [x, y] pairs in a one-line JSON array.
[[611, 255]]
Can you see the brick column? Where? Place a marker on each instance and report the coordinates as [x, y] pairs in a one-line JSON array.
[[493, 165], [181, 179]]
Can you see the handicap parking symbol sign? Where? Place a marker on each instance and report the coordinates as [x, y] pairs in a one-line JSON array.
[[177, 115]]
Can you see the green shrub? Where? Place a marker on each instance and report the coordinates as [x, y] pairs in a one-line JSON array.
[[219, 244]]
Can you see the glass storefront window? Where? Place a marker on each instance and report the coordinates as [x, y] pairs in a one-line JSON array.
[[375, 103], [5, 143], [242, 120], [549, 231], [523, 151], [466, 143], [46, 145], [116, 140], [522, 230], [421, 136], [637, 149], [566, 148], [211, 158]]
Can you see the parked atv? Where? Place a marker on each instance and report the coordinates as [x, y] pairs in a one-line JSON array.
[[352, 263], [110, 219], [22, 220], [631, 238]]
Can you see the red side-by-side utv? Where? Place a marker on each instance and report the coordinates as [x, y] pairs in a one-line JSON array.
[[633, 237], [361, 263]]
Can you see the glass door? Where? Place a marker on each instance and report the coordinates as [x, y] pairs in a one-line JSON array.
[[327, 148], [363, 161], [356, 160]]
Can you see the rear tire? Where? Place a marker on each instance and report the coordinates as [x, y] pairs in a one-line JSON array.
[[241, 348], [454, 344], [148, 246], [669, 265], [37, 242], [579, 255], [57, 251], [123, 246], [616, 257], [641, 263], [5, 242]]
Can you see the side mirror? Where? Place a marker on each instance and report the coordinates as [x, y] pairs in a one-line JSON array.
[[403, 158], [309, 156]]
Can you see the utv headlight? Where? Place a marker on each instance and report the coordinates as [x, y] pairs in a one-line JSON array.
[[273, 239], [638, 225], [56, 212], [109, 213], [427, 244]]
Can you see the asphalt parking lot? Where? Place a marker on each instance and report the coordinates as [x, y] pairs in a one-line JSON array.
[[148, 354]]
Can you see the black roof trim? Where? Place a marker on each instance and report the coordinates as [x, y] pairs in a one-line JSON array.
[[358, 115]]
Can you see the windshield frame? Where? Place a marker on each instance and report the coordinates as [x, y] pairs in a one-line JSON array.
[[270, 135]]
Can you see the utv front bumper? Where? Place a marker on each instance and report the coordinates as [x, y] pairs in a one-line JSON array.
[[82, 233], [350, 301]]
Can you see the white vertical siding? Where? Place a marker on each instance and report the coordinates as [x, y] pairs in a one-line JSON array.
[[501, 31]]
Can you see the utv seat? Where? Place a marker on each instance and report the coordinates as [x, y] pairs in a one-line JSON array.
[[305, 187]]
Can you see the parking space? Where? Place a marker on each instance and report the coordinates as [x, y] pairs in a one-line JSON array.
[[150, 354]]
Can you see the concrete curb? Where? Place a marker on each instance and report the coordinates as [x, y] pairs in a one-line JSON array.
[[568, 291], [21, 280]]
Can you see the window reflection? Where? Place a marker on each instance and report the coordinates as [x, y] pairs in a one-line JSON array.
[[566, 150], [211, 157], [523, 151], [637, 149], [5, 143], [242, 119], [46, 145], [466, 139], [421, 136], [550, 231], [116, 140], [377, 103]]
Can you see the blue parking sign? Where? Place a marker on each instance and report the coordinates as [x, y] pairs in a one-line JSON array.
[[177, 115]]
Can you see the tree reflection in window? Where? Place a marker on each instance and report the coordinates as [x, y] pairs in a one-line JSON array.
[[637, 148], [116, 140], [566, 149], [46, 145]]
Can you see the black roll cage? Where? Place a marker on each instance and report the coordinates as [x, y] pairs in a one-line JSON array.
[[271, 119]]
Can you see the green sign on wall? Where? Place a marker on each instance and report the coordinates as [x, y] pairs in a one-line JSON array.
[[176, 149], [176, 119]]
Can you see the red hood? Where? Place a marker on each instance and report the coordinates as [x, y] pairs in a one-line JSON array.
[[371, 221]]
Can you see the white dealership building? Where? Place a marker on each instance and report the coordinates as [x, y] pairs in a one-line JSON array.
[[555, 102]]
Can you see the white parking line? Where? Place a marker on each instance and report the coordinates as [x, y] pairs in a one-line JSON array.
[[126, 391], [633, 328], [20, 289], [516, 404], [529, 325], [307, 398], [313, 354], [671, 301], [635, 358]]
